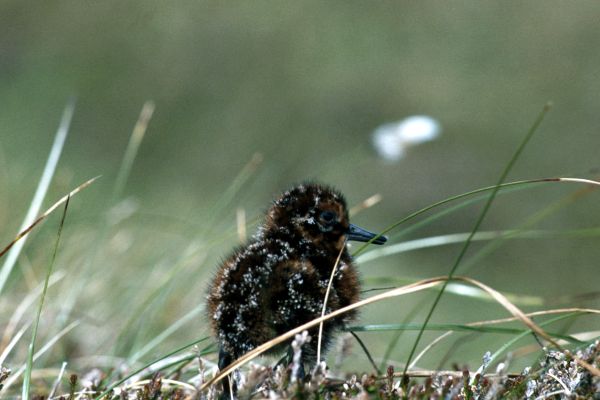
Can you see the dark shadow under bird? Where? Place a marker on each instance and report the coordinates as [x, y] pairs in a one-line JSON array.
[[278, 281]]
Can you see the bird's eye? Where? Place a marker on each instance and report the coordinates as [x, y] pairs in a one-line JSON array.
[[328, 217]]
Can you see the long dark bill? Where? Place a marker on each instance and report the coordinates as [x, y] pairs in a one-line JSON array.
[[362, 235]]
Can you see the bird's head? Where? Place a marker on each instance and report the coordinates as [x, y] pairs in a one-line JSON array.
[[317, 214]]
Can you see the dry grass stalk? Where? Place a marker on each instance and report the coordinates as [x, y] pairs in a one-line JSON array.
[[415, 287]]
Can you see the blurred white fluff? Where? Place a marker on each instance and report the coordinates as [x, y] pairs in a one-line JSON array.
[[392, 140]]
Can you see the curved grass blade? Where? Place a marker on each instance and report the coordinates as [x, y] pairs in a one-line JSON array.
[[29, 365], [423, 210], [574, 311], [506, 189], [454, 238], [172, 362], [49, 211], [415, 287], [324, 308], [495, 244], [412, 288], [460, 289], [42, 189], [137, 371]]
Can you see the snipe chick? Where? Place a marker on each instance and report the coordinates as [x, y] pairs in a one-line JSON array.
[[278, 281]]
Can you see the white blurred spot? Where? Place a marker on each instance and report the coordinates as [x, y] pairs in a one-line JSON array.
[[392, 140], [122, 210]]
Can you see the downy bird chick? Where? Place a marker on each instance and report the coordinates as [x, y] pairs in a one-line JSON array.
[[278, 281]]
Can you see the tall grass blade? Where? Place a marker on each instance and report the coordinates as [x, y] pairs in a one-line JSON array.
[[27, 377], [42, 189], [135, 140], [478, 223]]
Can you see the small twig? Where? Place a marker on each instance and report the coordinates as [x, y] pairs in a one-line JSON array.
[[337, 261]]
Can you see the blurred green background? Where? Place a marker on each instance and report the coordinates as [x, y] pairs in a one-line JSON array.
[[304, 84]]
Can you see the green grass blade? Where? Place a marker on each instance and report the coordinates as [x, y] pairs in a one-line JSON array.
[[27, 377], [174, 327], [495, 244], [507, 188], [441, 240], [42, 189], [87, 271], [221, 204], [455, 328], [478, 223], [415, 214], [137, 371], [174, 361], [524, 334], [122, 343]]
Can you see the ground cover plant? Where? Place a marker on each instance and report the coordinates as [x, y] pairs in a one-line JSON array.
[[84, 326]]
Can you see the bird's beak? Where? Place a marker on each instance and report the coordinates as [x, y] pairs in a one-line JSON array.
[[363, 235]]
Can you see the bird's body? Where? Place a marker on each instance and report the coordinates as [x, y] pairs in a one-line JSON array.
[[279, 280]]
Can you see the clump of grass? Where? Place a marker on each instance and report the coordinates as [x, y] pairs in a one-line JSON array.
[[185, 374]]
